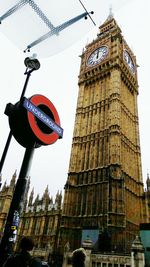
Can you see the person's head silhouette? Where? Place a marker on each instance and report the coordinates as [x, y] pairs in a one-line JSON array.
[[78, 257], [26, 244]]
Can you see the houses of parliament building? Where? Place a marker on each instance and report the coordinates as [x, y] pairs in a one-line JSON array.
[[104, 198]]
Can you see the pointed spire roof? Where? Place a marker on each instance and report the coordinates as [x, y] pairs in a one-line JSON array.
[[109, 24], [4, 186], [111, 15], [148, 176], [31, 197], [37, 198], [51, 200], [13, 179], [137, 245], [45, 198], [58, 198], [148, 182], [46, 192], [27, 186]]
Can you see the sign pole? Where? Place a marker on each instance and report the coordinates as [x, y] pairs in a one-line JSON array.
[[12, 222], [31, 65], [42, 128]]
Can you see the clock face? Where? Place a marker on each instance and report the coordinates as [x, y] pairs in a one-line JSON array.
[[97, 56], [129, 61]]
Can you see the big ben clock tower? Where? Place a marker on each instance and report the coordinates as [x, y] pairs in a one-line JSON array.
[[104, 190]]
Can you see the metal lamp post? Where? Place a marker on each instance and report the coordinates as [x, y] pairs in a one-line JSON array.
[[31, 64], [12, 220]]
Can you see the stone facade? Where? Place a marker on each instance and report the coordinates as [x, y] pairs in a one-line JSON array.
[[40, 218], [5, 200]]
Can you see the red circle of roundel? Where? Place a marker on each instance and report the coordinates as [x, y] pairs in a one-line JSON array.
[[47, 139]]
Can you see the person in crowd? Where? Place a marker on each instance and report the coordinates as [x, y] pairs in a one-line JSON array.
[[78, 258], [23, 258]]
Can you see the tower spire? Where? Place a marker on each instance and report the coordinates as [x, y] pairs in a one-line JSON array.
[[148, 182], [45, 197], [111, 15], [31, 197], [13, 180]]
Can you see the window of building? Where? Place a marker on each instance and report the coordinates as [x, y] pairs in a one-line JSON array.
[[37, 226], [27, 224]]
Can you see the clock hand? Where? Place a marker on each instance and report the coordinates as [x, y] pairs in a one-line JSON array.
[[97, 54]]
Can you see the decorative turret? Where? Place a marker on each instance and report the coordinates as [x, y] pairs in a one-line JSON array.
[[45, 198], [58, 199], [31, 197], [111, 15], [87, 243], [28, 185], [7, 193], [13, 180], [148, 182], [137, 253], [4, 186], [37, 198], [109, 25]]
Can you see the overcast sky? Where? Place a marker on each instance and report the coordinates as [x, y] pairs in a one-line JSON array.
[[57, 79]]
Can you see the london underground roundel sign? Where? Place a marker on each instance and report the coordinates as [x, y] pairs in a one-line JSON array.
[[34, 121], [43, 119]]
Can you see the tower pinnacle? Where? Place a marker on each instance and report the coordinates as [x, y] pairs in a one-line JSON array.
[[111, 15]]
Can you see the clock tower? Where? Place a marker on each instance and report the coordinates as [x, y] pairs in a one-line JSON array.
[[104, 190]]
